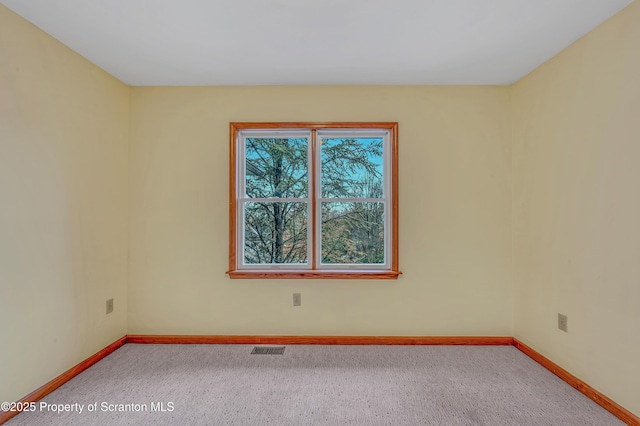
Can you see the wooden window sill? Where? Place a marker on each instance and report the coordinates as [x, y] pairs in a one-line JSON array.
[[316, 274]]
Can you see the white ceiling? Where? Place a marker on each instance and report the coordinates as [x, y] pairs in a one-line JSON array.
[[286, 42]]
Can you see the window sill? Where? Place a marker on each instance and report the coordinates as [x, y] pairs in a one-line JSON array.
[[306, 274]]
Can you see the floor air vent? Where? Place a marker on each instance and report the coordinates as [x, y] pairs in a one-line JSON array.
[[268, 350]]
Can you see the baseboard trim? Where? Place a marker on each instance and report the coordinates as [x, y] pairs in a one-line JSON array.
[[602, 400], [54, 384], [320, 340]]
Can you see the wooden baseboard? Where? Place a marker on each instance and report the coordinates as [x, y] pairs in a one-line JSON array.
[[602, 400], [321, 340], [54, 384]]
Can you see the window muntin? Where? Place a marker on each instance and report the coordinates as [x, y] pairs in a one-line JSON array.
[[316, 198]]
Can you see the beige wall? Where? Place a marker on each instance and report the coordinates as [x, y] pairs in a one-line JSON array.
[[455, 207], [576, 126], [63, 207]]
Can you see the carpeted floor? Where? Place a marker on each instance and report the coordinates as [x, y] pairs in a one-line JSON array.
[[319, 385]]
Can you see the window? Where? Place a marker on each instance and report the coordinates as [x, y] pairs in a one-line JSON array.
[[313, 200]]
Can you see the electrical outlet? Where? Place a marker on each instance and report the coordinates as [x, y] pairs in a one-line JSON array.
[[297, 299], [562, 322], [109, 306]]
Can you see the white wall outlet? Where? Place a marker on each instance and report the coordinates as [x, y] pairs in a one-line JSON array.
[[562, 322]]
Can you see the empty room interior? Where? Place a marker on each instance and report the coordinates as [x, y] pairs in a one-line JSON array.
[[510, 143]]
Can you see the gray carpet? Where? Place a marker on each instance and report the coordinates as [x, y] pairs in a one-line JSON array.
[[321, 385]]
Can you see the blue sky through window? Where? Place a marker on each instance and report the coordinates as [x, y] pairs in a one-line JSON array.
[[352, 167]]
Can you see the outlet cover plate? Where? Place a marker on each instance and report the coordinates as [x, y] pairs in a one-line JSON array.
[[562, 322]]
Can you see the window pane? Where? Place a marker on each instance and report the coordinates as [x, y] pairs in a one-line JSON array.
[[275, 232], [276, 167], [352, 167], [353, 233]]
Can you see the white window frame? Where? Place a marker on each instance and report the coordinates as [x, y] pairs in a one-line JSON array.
[[313, 132], [242, 198], [346, 134]]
